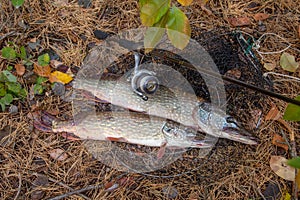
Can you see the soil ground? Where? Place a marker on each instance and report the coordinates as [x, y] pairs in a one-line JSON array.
[[233, 171]]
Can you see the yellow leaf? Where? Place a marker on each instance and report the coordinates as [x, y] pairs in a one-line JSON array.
[[58, 76], [287, 196], [185, 2]]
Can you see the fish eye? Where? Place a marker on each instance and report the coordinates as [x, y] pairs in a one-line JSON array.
[[230, 119]]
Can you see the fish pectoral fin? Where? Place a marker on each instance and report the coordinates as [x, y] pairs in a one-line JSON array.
[[116, 139], [162, 150]]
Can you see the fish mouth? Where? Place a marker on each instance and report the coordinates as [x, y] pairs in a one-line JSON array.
[[201, 144], [240, 134]]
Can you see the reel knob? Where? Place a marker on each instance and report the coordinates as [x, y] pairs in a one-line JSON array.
[[145, 82]]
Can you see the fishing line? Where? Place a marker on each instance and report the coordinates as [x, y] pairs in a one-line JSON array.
[[283, 75]]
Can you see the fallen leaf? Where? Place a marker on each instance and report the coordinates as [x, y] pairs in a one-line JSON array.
[[60, 2], [270, 66], [292, 111], [255, 118], [115, 184], [170, 192], [298, 179], [53, 112], [20, 69], [42, 71], [279, 165], [55, 63], [261, 16], [61, 77], [280, 142], [287, 196], [234, 73], [288, 62], [33, 40], [109, 187], [299, 31], [272, 191], [273, 114], [239, 21], [185, 2], [40, 180], [58, 154]]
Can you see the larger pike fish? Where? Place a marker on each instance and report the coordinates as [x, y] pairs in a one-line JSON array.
[[177, 106]]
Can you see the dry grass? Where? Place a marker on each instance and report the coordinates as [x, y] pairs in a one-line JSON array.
[[234, 171]]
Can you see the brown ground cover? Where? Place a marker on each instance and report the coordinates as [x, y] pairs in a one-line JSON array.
[[233, 171]]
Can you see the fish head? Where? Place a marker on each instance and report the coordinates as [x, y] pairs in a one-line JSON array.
[[182, 137], [215, 121]]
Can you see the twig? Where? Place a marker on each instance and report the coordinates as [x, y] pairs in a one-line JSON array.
[[68, 187], [91, 187], [258, 191], [6, 35], [19, 187], [62, 184]]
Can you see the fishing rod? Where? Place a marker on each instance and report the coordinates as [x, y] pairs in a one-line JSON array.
[[229, 79], [139, 45]]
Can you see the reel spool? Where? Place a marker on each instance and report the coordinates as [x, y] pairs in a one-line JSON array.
[[143, 82]]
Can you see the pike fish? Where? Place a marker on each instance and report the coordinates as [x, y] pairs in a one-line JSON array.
[[130, 127], [178, 106]]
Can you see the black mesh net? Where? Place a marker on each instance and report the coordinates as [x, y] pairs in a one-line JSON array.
[[233, 58]]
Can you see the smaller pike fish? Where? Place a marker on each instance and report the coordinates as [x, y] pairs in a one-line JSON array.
[[129, 127]]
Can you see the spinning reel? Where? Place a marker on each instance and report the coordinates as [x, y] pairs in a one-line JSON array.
[[143, 82]]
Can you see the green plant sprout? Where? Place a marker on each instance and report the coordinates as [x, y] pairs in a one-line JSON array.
[[159, 16], [10, 89]]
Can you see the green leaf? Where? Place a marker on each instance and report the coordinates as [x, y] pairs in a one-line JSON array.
[[9, 68], [7, 99], [152, 37], [41, 80], [2, 89], [178, 28], [154, 34], [2, 105], [288, 63], [142, 3], [292, 112], [153, 10], [23, 54], [8, 53], [22, 93], [44, 59], [38, 89], [7, 76], [294, 162], [17, 3], [13, 87]]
